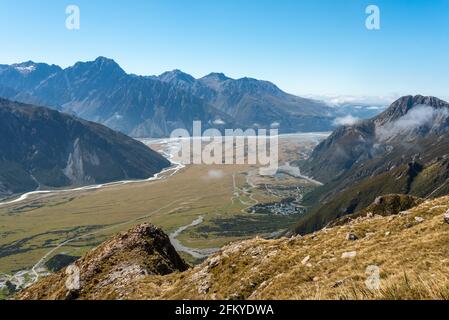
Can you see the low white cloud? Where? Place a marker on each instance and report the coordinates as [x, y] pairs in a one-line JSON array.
[[336, 101], [346, 120], [374, 108], [215, 174], [422, 116], [219, 122]]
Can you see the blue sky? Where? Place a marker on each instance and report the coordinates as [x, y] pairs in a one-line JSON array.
[[316, 47]]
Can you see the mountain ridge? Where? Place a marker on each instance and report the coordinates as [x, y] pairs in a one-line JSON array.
[[402, 150], [44, 148], [143, 106]]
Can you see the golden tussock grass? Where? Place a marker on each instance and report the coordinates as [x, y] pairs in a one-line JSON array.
[[411, 254]]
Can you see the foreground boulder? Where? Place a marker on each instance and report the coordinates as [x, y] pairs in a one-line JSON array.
[[105, 271]]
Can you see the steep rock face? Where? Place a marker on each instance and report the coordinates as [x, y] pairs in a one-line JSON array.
[[26, 76], [109, 269], [43, 148], [403, 150], [345, 148], [261, 104], [403, 105], [140, 106], [101, 91], [395, 133]]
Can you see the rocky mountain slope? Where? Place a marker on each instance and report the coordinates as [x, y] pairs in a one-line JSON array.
[[256, 103], [41, 148], [372, 256], [107, 270], [140, 106], [395, 133], [403, 150]]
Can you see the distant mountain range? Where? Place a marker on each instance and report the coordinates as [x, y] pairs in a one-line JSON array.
[[42, 148], [403, 150], [153, 106]]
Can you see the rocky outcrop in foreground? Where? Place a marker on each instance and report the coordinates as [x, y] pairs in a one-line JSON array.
[[384, 206], [109, 270], [401, 256]]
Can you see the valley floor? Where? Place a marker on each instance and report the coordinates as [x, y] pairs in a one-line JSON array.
[[400, 256], [41, 226]]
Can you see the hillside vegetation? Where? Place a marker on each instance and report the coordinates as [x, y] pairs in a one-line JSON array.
[[408, 249]]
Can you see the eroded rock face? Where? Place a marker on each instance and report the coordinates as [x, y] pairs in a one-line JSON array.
[[106, 270], [45, 149]]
